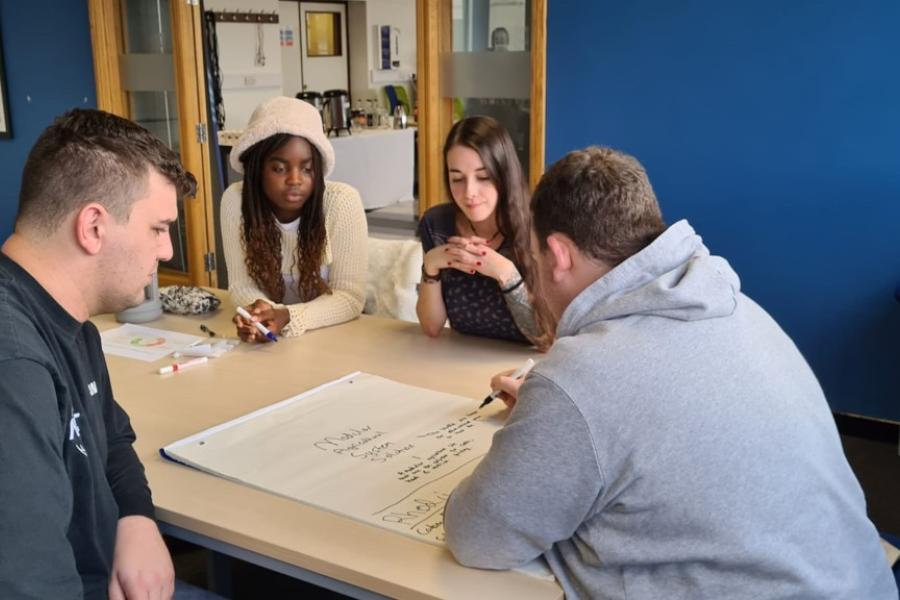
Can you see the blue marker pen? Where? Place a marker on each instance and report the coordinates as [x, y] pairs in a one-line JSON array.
[[259, 326]]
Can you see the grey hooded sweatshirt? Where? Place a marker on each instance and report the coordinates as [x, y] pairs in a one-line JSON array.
[[672, 444]]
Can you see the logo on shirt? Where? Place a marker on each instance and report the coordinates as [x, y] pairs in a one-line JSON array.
[[75, 432], [92, 388]]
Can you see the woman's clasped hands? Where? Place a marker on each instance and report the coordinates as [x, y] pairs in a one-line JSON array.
[[470, 255]]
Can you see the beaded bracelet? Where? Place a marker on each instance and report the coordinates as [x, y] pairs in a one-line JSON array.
[[430, 278]]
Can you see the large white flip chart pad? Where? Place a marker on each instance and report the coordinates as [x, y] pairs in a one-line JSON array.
[[362, 446]]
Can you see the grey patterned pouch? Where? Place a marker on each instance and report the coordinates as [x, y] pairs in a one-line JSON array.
[[187, 300]]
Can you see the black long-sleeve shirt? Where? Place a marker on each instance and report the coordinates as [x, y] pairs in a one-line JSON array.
[[68, 470]]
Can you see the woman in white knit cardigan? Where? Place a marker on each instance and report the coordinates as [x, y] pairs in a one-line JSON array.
[[295, 245]]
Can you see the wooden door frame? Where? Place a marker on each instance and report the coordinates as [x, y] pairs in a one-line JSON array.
[[434, 38], [190, 86], [435, 112], [538, 134], [107, 42]]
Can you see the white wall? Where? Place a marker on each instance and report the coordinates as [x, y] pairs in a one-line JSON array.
[[397, 13], [289, 23], [245, 84]]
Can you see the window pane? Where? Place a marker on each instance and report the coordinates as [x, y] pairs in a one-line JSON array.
[[489, 70], [148, 78]]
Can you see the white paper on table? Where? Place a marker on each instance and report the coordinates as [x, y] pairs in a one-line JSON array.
[[379, 451], [144, 343], [362, 446]]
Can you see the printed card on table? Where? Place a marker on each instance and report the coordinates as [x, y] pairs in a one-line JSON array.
[[144, 343]]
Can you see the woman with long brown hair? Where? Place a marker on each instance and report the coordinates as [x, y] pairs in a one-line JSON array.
[[477, 269], [295, 244]]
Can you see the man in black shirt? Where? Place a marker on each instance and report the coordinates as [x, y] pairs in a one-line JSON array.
[[76, 519]]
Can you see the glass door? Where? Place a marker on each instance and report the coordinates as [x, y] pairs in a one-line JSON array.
[[481, 57], [488, 71], [153, 75]]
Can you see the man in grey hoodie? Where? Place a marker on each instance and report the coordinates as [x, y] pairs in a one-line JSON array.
[[673, 443]]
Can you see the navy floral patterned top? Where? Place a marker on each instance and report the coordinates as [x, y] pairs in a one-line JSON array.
[[474, 303]]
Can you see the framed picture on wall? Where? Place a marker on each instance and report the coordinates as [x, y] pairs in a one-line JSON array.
[[5, 128], [323, 34]]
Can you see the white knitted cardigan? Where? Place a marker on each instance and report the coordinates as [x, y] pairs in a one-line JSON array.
[[345, 255]]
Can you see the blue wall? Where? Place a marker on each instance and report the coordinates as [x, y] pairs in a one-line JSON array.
[[774, 127], [49, 69]]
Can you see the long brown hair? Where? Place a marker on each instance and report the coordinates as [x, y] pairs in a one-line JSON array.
[[261, 237], [491, 141]]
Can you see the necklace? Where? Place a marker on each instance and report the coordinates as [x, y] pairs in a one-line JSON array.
[[472, 227]]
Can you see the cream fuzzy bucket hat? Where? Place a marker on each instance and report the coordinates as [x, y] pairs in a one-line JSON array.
[[284, 115]]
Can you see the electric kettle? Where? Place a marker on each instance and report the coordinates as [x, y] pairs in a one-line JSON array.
[[314, 98], [336, 111]]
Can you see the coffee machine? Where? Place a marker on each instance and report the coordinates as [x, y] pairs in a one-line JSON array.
[[336, 112], [314, 98]]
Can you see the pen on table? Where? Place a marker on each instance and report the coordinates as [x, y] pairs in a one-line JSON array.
[[175, 367], [259, 326], [207, 330], [517, 374]]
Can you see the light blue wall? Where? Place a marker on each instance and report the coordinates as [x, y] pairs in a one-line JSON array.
[[774, 127], [49, 69]]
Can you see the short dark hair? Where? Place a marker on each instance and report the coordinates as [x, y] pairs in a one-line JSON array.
[[602, 200], [88, 156]]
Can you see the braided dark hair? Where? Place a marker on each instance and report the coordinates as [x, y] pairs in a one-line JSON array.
[[261, 237]]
